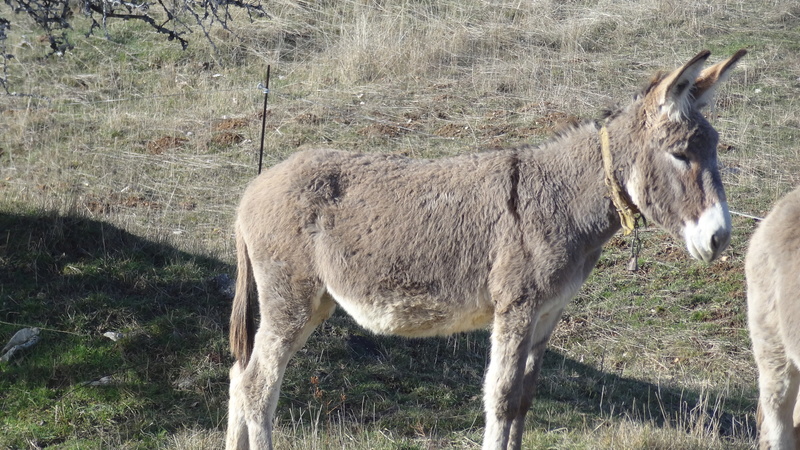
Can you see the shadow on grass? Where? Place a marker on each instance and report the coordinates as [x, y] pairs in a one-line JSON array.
[[76, 278], [413, 386], [599, 393]]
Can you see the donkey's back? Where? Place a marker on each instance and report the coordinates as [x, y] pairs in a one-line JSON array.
[[403, 245], [773, 298]]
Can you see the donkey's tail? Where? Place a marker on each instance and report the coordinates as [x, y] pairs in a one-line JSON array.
[[242, 328]]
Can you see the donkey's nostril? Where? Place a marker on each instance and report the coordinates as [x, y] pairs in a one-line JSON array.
[[719, 241]]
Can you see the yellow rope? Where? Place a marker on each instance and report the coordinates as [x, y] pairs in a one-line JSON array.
[[627, 211]]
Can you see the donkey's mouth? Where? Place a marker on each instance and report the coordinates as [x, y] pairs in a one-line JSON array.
[[708, 236]]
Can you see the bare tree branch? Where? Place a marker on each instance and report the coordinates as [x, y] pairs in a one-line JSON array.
[[175, 19]]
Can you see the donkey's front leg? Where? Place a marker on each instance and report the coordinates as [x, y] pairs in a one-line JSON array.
[[511, 340], [544, 327]]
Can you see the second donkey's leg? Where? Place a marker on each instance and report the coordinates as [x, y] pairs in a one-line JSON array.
[[778, 381], [777, 376]]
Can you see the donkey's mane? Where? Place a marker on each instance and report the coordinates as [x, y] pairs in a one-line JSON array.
[[612, 112], [564, 132], [657, 78], [569, 129], [556, 137]]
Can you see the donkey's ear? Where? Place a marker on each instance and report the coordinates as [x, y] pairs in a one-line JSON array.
[[673, 94], [709, 79]]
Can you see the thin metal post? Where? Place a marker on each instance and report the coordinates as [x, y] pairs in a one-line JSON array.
[[265, 88]]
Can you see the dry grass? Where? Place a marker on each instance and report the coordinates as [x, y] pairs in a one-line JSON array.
[[161, 142]]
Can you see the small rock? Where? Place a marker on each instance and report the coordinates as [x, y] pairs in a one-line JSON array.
[[22, 339], [113, 335], [103, 381]]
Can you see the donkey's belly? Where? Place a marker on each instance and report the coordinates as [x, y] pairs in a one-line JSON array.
[[418, 316]]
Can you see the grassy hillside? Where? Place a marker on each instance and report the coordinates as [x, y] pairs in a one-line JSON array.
[[122, 163]]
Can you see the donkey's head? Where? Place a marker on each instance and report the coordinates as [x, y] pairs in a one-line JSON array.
[[673, 176]]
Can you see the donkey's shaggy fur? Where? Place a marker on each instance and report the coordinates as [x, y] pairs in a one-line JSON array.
[[433, 247], [772, 267]]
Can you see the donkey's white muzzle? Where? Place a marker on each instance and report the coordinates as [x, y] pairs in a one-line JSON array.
[[710, 234]]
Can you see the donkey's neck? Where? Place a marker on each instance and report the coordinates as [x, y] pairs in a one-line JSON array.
[[564, 183]]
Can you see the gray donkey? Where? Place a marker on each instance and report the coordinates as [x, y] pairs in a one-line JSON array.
[[772, 268], [433, 247]]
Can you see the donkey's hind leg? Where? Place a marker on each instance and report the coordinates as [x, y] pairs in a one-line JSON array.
[[286, 324], [236, 438]]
